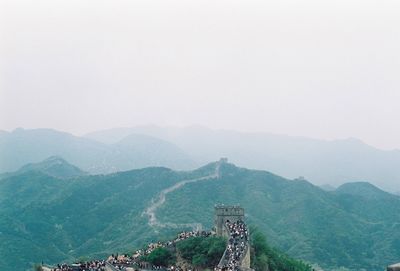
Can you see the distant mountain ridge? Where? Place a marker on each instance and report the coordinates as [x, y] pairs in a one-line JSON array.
[[54, 166], [322, 162], [48, 218], [319, 161], [21, 147], [362, 189]]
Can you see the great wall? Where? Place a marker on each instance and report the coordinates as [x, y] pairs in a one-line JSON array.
[[224, 217], [157, 202], [236, 256]]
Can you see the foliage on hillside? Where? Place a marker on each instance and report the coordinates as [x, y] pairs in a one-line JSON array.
[[205, 252], [264, 258], [202, 251], [160, 257]]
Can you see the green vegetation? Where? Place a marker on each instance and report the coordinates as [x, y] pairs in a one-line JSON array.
[[205, 252], [264, 258], [58, 219], [160, 257], [202, 251]]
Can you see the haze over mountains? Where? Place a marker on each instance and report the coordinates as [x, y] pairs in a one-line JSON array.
[[321, 162], [53, 217], [21, 147]]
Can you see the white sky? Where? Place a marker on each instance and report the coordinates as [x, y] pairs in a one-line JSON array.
[[322, 69]]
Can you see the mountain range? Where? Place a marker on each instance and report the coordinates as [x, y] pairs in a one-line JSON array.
[[47, 214], [326, 163], [21, 147], [320, 161]]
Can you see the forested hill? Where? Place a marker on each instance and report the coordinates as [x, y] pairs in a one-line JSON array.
[[49, 218]]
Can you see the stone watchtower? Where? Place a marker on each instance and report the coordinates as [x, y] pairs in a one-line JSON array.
[[224, 213], [232, 213]]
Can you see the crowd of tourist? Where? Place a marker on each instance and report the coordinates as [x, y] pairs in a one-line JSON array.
[[187, 234], [236, 248], [82, 266], [123, 261]]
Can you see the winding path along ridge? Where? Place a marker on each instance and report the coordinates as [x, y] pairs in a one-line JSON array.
[[160, 200]]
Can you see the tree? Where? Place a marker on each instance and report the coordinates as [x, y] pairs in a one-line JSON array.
[[202, 251], [161, 257], [265, 258]]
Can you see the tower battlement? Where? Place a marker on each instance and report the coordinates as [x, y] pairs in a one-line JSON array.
[[232, 214], [224, 213]]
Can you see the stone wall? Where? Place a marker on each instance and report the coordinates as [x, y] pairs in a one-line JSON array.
[[246, 259], [224, 213], [233, 214]]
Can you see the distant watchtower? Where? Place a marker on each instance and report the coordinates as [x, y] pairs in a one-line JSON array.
[[224, 213]]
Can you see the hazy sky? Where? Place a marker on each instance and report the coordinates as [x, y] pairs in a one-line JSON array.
[[324, 69]]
